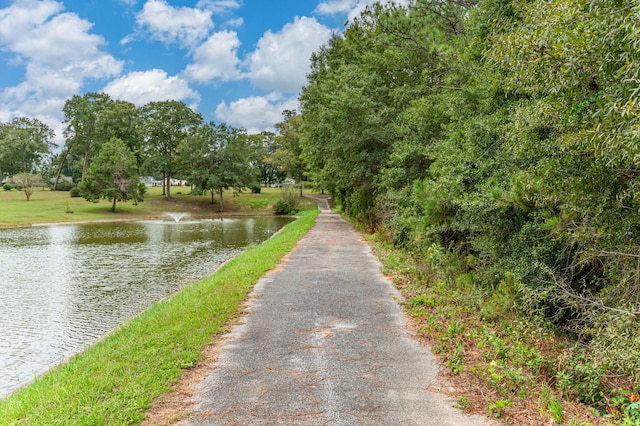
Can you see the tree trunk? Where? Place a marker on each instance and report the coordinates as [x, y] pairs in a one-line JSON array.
[[221, 208], [300, 179], [64, 158], [113, 206], [85, 161], [167, 194]]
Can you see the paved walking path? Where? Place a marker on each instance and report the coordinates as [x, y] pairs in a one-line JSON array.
[[324, 343]]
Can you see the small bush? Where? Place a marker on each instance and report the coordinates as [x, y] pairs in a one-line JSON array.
[[65, 186], [75, 192], [288, 203], [7, 186], [282, 207], [256, 189]]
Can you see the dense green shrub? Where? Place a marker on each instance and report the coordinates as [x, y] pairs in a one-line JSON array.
[[75, 192], [65, 186], [7, 186], [282, 207], [288, 202]]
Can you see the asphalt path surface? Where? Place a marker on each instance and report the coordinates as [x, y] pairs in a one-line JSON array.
[[324, 343]]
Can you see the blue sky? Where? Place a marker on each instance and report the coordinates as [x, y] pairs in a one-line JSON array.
[[241, 62]]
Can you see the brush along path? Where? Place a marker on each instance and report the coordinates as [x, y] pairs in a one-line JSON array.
[[324, 343]]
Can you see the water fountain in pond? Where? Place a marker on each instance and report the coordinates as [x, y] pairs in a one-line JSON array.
[[176, 216]]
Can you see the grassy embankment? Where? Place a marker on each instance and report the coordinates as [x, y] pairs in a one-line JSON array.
[[514, 368], [57, 206], [115, 381]]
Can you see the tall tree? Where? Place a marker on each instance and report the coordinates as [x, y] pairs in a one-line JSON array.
[[575, 65], [166, 125], [82, 115], [24, 143], [506, 133], [113, 175], [217, 157], [288, 154], [121, 120], [265, 146], [359, 87]]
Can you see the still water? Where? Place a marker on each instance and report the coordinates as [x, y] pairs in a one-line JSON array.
[[63, 287]]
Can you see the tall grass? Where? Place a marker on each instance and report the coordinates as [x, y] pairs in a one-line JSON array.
[[500, 362], [115, 381]]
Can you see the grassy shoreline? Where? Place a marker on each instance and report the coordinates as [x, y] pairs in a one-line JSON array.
[[49, 207], [115, 381]]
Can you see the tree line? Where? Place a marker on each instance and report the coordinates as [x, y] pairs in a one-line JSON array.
[[25, 144], [504, 133], [110, 143]]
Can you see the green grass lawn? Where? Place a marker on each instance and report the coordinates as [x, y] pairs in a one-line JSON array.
[[115, 381], [57, 206]]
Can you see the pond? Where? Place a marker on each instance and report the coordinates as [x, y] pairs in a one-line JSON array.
[[63, 287]]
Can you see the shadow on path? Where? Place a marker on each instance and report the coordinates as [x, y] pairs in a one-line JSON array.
[[324, 343]]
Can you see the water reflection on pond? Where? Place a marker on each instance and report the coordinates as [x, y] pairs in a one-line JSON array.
[[63, 287]]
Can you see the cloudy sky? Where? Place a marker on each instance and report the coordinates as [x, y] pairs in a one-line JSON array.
[[236, 61]]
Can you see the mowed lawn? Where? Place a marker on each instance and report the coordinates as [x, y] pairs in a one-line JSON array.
[[48, 206]]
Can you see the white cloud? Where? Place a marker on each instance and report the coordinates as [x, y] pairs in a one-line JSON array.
[[184, 26], [217, 58], [54, 39], [353, 8], [219, 6], [24, 16], [234, 23], [334, 7], [142, 87], [359, 8], [38, 32], [256, 113], [59, 54], [30, 99], [281, 60]]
